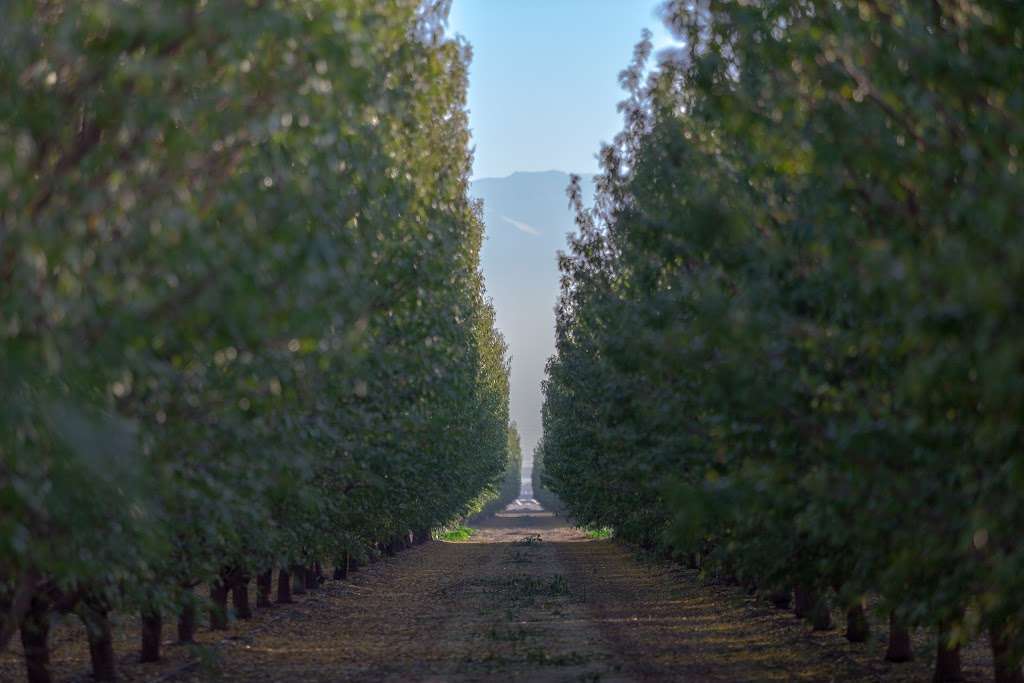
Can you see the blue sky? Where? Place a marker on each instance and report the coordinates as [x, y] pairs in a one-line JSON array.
[[544, 79]]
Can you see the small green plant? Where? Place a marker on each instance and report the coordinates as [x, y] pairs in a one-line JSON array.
[[601, 532], [459, 533]]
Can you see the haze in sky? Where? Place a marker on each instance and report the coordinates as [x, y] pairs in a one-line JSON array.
[[543, 96], [543, 84]]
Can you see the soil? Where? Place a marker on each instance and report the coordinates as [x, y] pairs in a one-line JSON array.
[[526, 598]]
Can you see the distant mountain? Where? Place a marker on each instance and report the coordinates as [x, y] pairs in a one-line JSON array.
[[527, 217]]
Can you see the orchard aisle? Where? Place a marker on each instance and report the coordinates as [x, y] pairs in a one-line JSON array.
[[528, 598]]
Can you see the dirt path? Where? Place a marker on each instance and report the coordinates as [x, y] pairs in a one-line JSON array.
[[527, 598]]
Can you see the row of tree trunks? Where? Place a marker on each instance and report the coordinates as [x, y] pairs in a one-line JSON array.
[[95, 613]]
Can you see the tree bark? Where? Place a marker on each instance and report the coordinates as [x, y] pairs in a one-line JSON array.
[[309, 574], [101, 643], [35, 634], [781, 598], [264, 587], [284, 587], [341, 569], [947, 659], [187, 624], [857, 627], [219, 606], [821, 615], [152, 630], [240, 598], [17, 607], [804, 601], [900, 648], [1007, 667], [298, 579]]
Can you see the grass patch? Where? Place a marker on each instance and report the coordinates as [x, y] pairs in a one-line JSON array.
[[603, 532], [459, 533]]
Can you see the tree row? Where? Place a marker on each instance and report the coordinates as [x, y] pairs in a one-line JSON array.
[[788, 341], [242, 324]]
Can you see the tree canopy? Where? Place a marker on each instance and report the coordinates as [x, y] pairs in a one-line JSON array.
[[788, 336]]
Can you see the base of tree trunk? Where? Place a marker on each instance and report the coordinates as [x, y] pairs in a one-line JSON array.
[[781, 598], [218, 606], [152, 631], [804, 600], [298, 580], [857, 627], [101, 644], [35, 636], [311, 579], [187, 624], [284, 587], [900, 648], [947, 660], [240, 599], [340, 571], [821, 615], [1007, 667], [264, 588]]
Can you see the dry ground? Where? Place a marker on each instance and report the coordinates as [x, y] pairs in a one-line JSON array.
[[527, 598]]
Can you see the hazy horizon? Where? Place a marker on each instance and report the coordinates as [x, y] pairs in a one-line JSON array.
[[543, 96]]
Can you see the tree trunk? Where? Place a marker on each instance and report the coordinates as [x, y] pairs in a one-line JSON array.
[[298, 579], [804, 601], [1007, 667], [101, 643], [284, 587], [35, 635], [218, 606], [857, 627], [900, 649], [341, 569], [781, 598], [947, 659], [240, 599], [821, 615], [187, 624], [264, 587], [309, 573], [152, 630]]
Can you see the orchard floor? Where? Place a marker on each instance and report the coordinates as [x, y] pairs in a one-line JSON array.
[[527, 598]]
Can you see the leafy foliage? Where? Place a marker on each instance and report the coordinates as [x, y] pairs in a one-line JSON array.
[[787, 336], [241, 319]]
